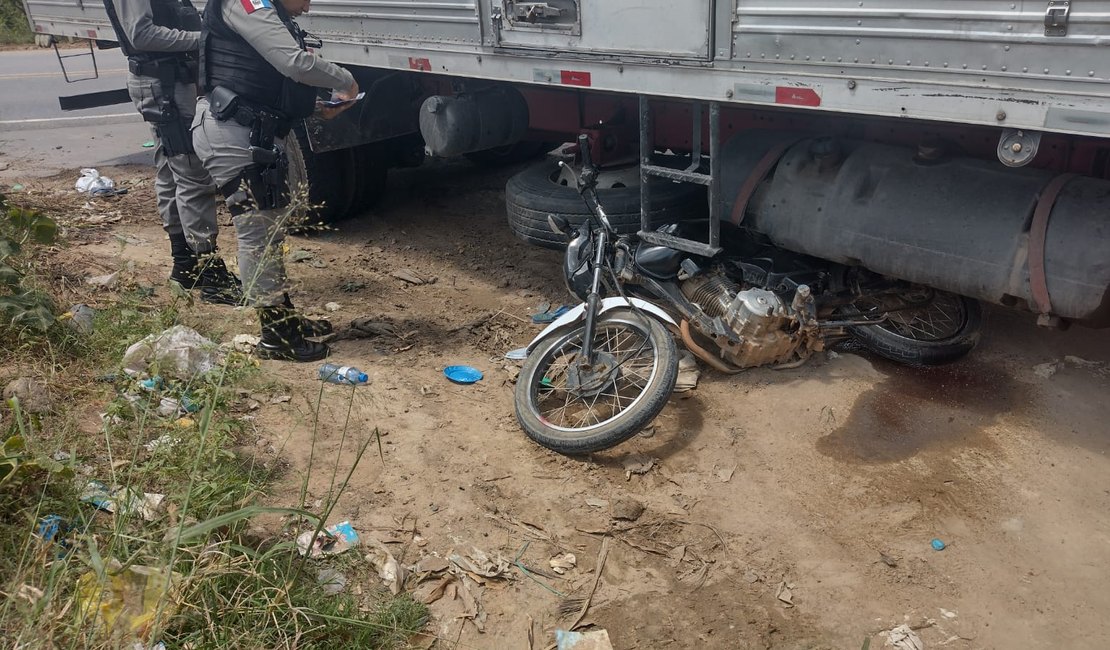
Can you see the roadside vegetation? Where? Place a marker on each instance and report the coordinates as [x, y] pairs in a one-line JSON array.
[[14, 28], [88, 558]]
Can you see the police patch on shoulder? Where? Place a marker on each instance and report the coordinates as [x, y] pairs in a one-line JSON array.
[[252, 6]]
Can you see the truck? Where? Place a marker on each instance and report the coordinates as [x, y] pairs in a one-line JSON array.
[[962, 145]]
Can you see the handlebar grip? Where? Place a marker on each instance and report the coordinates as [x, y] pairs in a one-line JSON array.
[[584, 150]]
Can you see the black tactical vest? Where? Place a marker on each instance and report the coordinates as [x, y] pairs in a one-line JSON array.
[[227, 60], [172, 14]]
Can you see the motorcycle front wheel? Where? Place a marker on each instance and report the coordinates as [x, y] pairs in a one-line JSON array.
[[574, 408]]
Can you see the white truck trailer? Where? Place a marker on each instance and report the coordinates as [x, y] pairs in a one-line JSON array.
[[960, 144]]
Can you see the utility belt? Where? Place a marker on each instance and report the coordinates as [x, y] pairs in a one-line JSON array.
[[164, 115], [267, 178]]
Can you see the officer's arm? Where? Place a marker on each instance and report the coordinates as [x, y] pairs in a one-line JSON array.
[[137, 20], [265, 32]]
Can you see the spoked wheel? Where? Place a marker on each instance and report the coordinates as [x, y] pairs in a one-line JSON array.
[[573, 408], [923, 327]]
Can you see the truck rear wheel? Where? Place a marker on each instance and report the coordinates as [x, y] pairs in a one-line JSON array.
[[325, 180], [542, 190]]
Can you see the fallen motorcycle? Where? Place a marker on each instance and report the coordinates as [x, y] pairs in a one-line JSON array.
[[604, 370]]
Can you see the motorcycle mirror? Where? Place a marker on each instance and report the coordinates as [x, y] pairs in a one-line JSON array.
[[558, 224]]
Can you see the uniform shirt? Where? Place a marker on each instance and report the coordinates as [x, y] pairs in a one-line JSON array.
[[263, 30], [137, 20]]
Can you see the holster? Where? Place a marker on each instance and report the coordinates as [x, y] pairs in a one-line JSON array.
[[165, 117], [266, 180]]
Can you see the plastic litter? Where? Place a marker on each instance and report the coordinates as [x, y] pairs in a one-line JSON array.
[[179, 352], [348, 375], [592, 640], [462, 374], [80, 318], [938, 545], [390, 571], [125, 601], [333, 540], [122, 500], [904, 638], [518, 354], [560, 564], [149, 144], [52, 528], [546, 315], [91, 182], [17, 187]]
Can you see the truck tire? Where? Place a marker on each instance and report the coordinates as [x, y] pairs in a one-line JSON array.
[[328, 176], [536, 192], [370, 169]]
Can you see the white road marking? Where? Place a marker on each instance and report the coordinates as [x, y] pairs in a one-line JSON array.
[[41, 120]]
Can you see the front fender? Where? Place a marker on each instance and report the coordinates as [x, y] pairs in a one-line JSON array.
[[607, 304]]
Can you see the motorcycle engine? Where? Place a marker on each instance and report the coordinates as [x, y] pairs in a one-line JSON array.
[[761, 321]]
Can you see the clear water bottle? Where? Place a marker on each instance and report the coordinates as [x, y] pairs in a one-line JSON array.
[[337, 374]]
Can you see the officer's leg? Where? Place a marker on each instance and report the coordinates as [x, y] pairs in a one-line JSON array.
[[224, 147]]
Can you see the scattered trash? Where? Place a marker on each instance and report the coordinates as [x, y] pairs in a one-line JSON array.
[[560, 564], [333, 373], [281, 399], [333, 306], [390, 571], [149, 144], [725, 475], [688, 373], [888, 560], [1046, 370], [17, 187], [61, 456], [947, 614], [518, 354], [333, 540], [785, 593], [91, 182], [178, 352], [478, 565], [462, 374], [904, 638], [52, 528], [164, 441], [108, 281], [32, 395], [545, 314], [627, 509], [637, 464], [592, 640], [244, 343], [410, 276], [80, 318], [331, 581], [169, 406], [597, 503], [431, 564], [122, 500], [126, 600], [938, 545]]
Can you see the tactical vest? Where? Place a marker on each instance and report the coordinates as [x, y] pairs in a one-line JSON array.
[[172, 14], [227, 60]]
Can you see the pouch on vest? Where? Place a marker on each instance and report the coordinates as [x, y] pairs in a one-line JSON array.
[[223, 103]]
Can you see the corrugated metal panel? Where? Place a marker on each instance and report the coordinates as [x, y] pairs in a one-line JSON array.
[[1001, 43], [434, 21]]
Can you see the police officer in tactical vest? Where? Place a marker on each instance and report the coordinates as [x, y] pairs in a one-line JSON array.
[[258, 79], [161, 39]]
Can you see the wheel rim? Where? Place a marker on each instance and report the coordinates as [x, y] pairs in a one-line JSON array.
[[942, 316], [570, 400]]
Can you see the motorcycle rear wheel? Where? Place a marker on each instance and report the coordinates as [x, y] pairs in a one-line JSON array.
[[946, 328], [575, 411]]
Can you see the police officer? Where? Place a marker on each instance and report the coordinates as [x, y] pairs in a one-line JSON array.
[[258, 79], [160, 39]]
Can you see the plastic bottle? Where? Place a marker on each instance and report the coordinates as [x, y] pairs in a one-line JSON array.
[[337, 374]]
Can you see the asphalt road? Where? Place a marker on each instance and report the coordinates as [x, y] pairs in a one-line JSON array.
[[37, 138]]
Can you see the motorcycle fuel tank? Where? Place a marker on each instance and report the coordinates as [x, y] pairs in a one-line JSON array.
[[659, 262]]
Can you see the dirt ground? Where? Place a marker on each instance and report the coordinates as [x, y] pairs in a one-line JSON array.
[[788, 509]]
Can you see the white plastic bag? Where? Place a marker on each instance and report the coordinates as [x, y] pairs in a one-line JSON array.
[[178, 352], [91, 182]]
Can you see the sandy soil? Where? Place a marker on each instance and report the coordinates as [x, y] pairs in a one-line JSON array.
[[787, 509]]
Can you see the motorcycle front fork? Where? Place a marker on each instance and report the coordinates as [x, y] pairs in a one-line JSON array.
[[593, 300]]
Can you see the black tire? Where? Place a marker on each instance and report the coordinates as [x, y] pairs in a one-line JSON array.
[[329, 178], [534, 193], [890, 340], [625, 423], [511, 154]]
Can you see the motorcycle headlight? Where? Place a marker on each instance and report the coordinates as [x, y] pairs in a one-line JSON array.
[[576, 264]]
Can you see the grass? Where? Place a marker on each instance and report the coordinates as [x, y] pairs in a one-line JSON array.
[[203, 572], [14, 28]]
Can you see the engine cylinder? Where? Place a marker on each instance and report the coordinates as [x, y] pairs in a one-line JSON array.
[[712, 292]]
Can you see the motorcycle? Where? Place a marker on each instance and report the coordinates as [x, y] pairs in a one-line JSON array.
[[604, 370]]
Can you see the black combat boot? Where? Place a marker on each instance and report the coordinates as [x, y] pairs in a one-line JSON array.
[[282, 337], [309, 327], [184, 261], [217, 285]]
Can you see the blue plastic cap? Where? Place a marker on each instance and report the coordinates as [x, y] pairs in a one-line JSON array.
[[363, 377]]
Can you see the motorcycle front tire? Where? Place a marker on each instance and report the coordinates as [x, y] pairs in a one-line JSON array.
[[653, 397]]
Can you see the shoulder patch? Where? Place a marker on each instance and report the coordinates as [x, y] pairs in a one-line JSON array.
[[251, 6]]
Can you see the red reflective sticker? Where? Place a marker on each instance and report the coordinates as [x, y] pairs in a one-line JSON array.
[[420, 64], [797, 96], [574, 78], [91, 33]]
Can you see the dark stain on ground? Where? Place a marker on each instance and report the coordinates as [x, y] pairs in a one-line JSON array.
[[917, 408]]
